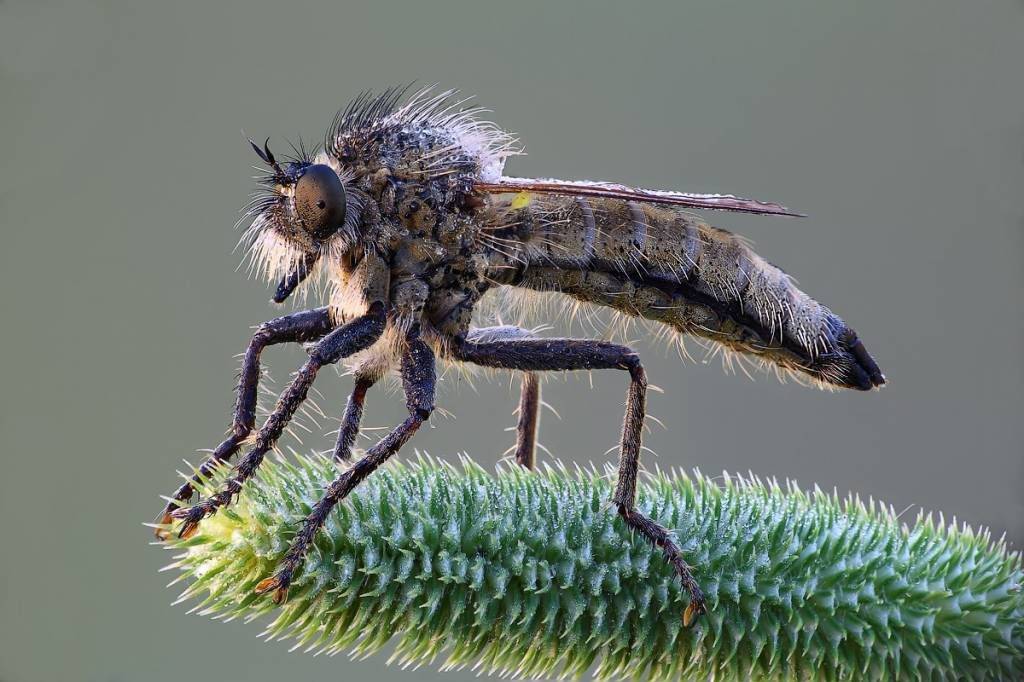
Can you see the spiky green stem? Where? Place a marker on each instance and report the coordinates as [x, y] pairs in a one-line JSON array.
[[535, 574]]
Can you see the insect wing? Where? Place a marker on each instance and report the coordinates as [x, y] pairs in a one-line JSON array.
[[586, 188]]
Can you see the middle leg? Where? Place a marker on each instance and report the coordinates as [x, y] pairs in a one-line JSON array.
[[418, 379]]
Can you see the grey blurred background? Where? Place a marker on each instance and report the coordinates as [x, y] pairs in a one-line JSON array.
[[899, 127]]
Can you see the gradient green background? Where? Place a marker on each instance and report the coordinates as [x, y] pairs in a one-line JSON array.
[[899, 127]]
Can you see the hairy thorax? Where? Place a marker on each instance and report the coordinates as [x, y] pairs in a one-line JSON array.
[[420, 217]]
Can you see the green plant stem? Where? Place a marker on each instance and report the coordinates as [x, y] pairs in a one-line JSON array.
[[535, 574]]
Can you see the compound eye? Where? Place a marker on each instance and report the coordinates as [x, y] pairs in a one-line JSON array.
[[320, 201]]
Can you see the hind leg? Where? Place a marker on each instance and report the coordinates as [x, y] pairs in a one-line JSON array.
[[529, 395], [529, 418], [568, 354], [353, 416]]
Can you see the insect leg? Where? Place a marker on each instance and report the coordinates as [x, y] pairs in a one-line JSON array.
[[307, 325], [418, 379], [529, 396], [355, 336], [353, 415], [529, 417], [571, 354]]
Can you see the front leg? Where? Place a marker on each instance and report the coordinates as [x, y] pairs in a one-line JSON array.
[[349, 429], [418, 379], [355, 336], [305, 326], [571, 354]]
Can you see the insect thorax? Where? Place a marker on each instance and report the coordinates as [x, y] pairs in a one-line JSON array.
[[419, 180]]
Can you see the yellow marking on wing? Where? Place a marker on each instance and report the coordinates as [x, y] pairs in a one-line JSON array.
[[522, 200]]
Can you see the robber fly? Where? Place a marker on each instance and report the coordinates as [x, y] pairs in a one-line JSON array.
[[406, 215]]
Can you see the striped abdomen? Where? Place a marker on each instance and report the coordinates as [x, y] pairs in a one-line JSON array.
[[662, 263]]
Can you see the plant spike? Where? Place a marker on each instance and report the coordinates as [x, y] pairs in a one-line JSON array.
[[533, 574]]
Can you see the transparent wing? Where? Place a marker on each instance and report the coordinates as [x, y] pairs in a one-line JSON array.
[[586, 188]]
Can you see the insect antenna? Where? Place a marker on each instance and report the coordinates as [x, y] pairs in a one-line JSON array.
[[268, 158]]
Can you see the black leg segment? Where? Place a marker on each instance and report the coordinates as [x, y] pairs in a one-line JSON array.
[[418, 379], [350, 421], [529, 418], [305, 326], [533, 355], [353, 337], [529, 396]]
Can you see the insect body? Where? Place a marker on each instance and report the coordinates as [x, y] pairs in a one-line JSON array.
[[406, 215]]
